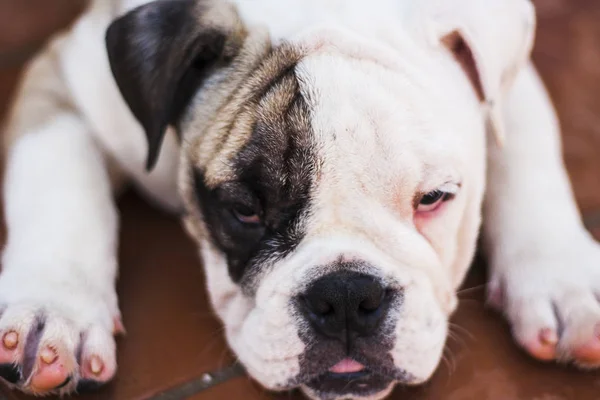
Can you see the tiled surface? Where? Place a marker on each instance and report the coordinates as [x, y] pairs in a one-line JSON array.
[[172, 336]]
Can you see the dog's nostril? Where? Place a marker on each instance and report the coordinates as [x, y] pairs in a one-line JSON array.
[[372, 298], [318, 306], [373, 301]]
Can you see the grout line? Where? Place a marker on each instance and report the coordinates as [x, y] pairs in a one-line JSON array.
[[195, 386]]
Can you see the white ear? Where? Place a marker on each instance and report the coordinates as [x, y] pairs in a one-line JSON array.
[[491, 39]]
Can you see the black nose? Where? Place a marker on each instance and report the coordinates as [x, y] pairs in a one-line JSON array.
[[344, 305]]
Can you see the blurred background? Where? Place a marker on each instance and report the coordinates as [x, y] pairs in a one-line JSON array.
[[486, 366]]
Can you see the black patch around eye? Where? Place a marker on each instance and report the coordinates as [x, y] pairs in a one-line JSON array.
[[236, 239], [274, 175], [247, 246]]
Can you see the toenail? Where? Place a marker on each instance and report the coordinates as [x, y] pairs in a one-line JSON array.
[[96, 365], [10, 340], [48, 355], [548, 337]]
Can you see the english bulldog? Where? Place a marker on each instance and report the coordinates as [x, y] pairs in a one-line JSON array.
[[333, 160]]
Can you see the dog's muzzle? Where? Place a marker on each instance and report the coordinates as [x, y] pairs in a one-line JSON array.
[[347, 313]]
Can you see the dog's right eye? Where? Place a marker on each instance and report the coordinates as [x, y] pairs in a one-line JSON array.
[[246, 215]]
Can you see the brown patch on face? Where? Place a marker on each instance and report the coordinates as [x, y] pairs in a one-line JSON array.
[[258, 86]]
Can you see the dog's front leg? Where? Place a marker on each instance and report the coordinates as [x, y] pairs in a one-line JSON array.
[[57, 287], [545, 267]]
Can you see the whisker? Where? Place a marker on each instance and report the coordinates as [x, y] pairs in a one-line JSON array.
[[446, 362], [457, 339], [461, 329], [471, 289], [451, 364]]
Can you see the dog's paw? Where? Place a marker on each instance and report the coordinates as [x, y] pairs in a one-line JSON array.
[[56, 337], [551, 298]]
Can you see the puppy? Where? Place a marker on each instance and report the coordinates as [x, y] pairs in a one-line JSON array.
[[334, 162]]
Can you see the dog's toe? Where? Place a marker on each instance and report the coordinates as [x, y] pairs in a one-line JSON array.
[[566, 328], [587, 355], [543, 345], [579, 315], [51, 372], [554, 311], [46, 350], [97, 360], [534, 325]]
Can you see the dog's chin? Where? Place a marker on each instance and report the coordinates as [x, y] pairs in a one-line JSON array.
[[364, 385]]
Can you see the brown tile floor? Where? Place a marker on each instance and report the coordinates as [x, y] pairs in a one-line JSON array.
[[172, 336]]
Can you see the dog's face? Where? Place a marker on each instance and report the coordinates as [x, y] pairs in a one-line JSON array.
[[333, 182]]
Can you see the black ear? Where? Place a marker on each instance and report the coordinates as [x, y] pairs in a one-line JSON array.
[[159, 54]]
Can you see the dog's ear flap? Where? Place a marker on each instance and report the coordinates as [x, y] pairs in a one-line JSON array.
[[161, 52], [492, 40]]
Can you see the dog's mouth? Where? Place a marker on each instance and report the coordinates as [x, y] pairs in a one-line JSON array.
[[350, 378]]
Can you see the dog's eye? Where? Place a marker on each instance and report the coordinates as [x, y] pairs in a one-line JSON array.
[[432, 200], [246, 215]]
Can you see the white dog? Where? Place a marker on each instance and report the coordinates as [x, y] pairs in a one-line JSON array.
[[329, 157]]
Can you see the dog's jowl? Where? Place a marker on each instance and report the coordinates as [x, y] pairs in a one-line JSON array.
[[333, 161]]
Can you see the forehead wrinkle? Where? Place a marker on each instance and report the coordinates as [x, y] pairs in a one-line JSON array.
[[234, 125], [280, 154]]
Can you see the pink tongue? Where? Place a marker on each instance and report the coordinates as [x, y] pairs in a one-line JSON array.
[[347, 366]]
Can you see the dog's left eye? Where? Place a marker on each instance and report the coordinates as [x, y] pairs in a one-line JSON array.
[[246, 215], [432, 200]]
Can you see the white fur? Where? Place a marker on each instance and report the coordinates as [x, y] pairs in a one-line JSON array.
[[59, 261], [542, 259], [405, 119]]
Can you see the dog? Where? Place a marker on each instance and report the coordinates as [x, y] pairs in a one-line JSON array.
[[334, 161]]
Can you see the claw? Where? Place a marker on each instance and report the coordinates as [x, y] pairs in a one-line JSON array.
[[48, 355], [96, 365], [10, 340], [548, 337]]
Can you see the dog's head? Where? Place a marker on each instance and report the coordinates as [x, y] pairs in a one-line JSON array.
[[333, 180]]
